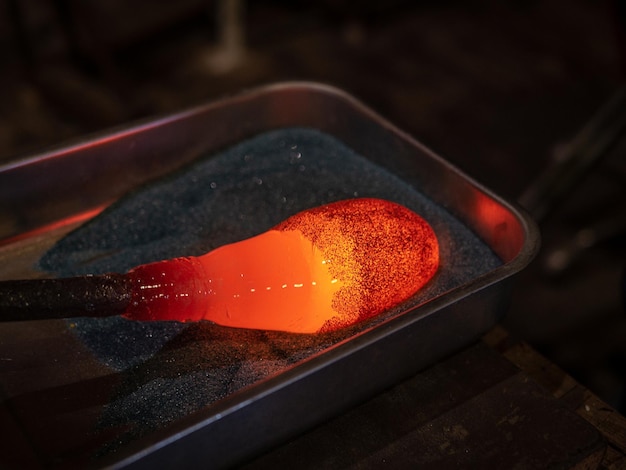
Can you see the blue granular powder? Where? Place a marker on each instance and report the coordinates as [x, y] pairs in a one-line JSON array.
[[168, 370]]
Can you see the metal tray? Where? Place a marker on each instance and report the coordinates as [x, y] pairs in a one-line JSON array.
[[45, 196]]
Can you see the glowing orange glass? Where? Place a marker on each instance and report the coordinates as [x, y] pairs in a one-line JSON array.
[[319, 270]]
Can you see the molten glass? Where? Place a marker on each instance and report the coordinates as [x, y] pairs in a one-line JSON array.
[[320, 270]]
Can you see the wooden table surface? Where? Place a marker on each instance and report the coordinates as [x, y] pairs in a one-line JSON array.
[[496, 404]]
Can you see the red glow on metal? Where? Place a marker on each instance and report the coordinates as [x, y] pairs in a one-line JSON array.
[[59, 224]]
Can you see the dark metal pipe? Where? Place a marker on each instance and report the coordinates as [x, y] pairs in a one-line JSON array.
[[85, 296]]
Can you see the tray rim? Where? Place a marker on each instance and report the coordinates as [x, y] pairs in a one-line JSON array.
[[529, 226]]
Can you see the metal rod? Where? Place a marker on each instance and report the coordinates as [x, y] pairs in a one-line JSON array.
[[590, 146], [85, 296]]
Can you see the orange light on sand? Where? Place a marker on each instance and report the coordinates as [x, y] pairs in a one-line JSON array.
[[320, 270]]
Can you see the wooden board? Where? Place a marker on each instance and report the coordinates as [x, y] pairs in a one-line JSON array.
[[477, 409]]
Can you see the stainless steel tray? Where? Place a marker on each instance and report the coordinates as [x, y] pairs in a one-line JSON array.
[[44, 196]]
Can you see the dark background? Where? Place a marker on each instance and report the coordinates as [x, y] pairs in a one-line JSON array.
[[501, 89]]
